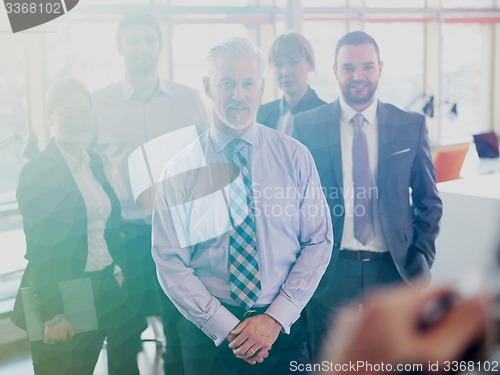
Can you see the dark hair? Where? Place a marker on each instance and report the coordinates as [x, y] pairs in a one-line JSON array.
[[356, 38], [137, 20], [291, 44], [61, 90]]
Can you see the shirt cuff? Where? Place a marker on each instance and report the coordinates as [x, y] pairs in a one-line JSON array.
[[219, 325], [284, 312]]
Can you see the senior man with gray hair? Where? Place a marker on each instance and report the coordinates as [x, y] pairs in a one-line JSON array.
[[241, 230]]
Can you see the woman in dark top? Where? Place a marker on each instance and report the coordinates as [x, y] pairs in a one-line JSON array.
[[71, 220], [292, 59]]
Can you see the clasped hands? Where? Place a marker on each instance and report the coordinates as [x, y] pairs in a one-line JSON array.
[[252, 339]]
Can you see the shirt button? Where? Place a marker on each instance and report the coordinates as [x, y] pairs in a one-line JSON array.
[[214, 337]]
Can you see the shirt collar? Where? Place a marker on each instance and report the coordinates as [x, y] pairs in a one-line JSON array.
[[74, 163], [165, 88], [283, 106], [221, 140], [128, 90], [347, 112]]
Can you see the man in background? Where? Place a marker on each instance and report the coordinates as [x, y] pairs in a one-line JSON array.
[[376, 169], [130, 113]]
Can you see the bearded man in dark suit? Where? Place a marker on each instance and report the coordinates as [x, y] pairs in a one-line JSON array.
[[376, 169]]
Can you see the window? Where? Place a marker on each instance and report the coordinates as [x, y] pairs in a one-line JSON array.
[[190, 45], [465, 80], [209, 2], [13, 135], [323, 36], [395, 3], [82, 44], [13, 114], [324, 3], [84, 50], [467, 3], [116, 2], [401, 82]]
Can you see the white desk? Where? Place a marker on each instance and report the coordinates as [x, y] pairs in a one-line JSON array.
[[474, 166], [469, 240]]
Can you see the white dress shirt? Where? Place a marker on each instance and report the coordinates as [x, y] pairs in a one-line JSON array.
[[98, 210], [349, 241], [292, 224], [284, 124]]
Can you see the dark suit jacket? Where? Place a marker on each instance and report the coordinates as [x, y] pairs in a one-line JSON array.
[[55, 226], [269, 113], [404, 162]]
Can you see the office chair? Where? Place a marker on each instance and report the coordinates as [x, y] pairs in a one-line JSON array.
[[448, 162]]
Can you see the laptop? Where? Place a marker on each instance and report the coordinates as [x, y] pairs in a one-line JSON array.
[[486, 145]]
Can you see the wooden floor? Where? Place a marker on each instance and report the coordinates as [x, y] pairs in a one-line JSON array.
[[15, 359]]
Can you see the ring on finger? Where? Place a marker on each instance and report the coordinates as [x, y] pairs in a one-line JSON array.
[[253, 351]]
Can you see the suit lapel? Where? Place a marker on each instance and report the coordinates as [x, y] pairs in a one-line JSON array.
[[387, 130], [98, 172], [333, 131], [274, 115], [58, 168]]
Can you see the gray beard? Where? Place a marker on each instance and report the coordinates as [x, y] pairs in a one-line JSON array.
[[229, 123]]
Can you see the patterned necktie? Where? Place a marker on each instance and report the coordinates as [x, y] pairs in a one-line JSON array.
[[363, 209], [243, 262]]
